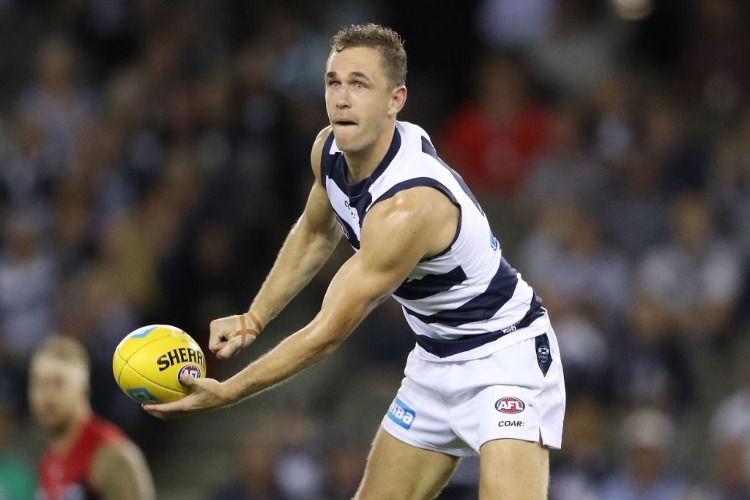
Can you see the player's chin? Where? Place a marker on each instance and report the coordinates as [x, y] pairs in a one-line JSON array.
[[346, 137], [52, 424], [50, 419]]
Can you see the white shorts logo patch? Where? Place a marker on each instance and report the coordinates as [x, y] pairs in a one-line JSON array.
[[401, 414], [510, 405]]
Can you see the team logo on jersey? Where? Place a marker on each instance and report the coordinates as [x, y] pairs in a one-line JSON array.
[[191, 370], [494, 244], [509, 405], [400, 413]]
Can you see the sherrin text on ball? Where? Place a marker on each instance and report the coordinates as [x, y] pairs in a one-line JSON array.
[[149, 362]]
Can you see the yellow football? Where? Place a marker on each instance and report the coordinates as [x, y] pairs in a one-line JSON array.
[[149, 362]]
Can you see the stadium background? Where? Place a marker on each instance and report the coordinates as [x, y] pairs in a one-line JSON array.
[[153, 155]]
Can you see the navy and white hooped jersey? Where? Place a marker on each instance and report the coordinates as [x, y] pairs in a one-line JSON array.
[[463, 298]]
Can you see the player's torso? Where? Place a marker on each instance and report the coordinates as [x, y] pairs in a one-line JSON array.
[[469, 288], [66, 476]]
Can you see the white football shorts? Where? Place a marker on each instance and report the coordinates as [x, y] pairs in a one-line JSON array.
[[517, 392]]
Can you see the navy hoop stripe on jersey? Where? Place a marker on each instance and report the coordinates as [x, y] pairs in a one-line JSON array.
[[418, 182], [480, 308], [467, 291], [430, 284], [443, 348]]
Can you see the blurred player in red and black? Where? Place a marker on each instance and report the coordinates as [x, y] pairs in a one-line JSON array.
[[86, 456]]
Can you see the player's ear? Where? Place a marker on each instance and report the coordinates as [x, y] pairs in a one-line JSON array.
[[398, 99]]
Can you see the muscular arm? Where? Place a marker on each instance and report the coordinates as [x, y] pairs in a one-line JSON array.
[[307, 247], [120, 472], [396, 234]]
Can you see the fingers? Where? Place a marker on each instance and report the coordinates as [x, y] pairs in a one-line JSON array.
[[180, 407], [189, 381], [177, 408], [230, 334], [220, 330], [229, 349], [166, 411]]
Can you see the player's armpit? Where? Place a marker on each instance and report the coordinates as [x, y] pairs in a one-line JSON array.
[[120, 472]]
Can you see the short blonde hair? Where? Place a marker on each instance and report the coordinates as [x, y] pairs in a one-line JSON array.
[[384, 39], [66, 349]]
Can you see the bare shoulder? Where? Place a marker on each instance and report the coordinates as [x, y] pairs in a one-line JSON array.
[[317, 150], [117, 453], [422, 204], [120, 470], [422, 216]]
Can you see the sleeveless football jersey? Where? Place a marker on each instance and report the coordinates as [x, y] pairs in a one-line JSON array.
[[66, 476], [466, 297]]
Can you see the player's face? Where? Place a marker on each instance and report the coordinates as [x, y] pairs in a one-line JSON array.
[[361, 100], [57, 390]]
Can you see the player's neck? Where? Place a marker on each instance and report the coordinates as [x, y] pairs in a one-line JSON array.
[[361, 164], [359, 170], [64, 437]]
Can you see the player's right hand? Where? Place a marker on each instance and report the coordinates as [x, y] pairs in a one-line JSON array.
[[205, 394], [230, 334]]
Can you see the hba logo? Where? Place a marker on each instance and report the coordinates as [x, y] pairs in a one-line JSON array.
[[401, 414], [509, 405]]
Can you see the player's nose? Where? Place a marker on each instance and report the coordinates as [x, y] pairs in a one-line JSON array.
[[341, 98]]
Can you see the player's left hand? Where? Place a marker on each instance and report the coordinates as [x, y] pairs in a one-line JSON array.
[[205, 394], [233, 333]]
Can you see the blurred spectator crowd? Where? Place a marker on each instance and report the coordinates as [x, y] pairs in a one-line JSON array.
[[153, 155]]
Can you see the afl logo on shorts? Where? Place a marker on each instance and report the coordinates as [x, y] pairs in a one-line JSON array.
[[191, 370], [509, 405]]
